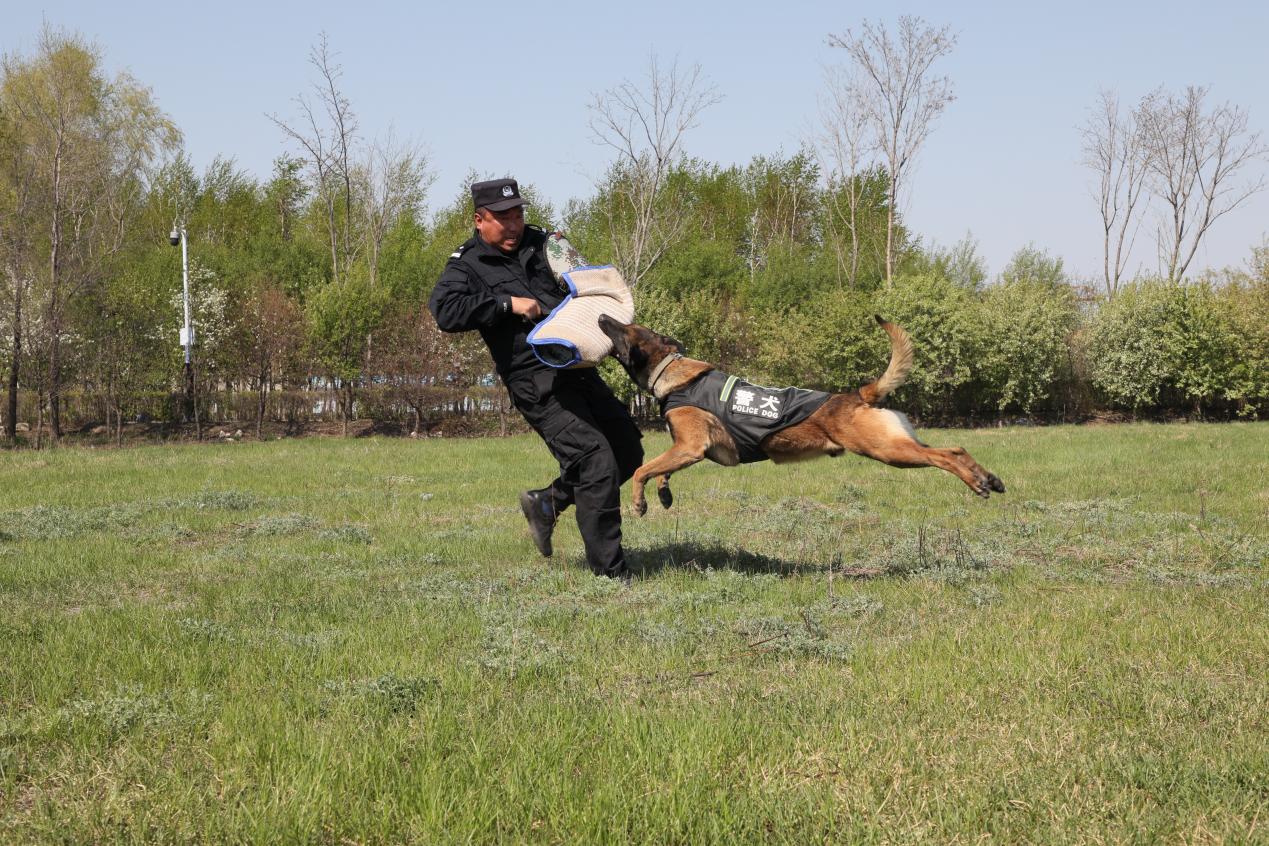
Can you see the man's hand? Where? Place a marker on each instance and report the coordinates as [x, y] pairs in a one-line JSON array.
[[526, 307]]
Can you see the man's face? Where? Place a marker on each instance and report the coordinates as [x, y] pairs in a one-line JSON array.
[[501, 229]]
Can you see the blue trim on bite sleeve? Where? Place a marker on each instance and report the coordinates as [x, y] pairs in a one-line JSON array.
[[538, 341]]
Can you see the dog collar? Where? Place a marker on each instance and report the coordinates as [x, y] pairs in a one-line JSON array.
[[660, 368]]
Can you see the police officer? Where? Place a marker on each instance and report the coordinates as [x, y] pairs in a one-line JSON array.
[[499, 283]]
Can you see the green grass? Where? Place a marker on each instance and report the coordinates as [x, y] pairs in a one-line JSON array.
[[354, 641]]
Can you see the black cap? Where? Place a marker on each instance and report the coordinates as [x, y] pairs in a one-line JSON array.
[[497, 195]]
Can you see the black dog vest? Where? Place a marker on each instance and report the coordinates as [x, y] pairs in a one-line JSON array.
[[749, 412]]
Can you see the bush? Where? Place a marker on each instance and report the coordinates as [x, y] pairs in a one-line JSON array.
[[710, 326], [829, 343], [1246, 301], [1161, 345], [1025, 361], [941, 318]]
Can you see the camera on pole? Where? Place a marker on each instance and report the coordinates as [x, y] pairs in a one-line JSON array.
[[178, 237]]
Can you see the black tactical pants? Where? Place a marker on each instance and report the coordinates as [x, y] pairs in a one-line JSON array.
[[596, 442]]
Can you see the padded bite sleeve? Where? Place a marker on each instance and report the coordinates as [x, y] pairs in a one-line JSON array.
[[570, 335]]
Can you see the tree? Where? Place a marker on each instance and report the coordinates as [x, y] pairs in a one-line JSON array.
[[340, 317], [939, 313], [285, 193], [959, 264], [645, 126], [783, 206], [1247, 295], [899, 98], [844, 147], [394, 182], [89, 141], [828, 341], [129, 319], [1115, 150], [271, 335], [327, 137], [423, 367], [17, 254], [1195, 158]]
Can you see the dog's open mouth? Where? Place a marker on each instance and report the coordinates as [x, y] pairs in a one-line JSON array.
[[616, 332]]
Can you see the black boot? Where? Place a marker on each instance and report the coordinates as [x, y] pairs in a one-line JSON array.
[[539, 510]]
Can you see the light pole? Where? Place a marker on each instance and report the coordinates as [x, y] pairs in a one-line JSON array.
[[178, 236]]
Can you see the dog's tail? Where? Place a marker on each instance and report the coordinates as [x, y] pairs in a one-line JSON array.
[[900, 364]]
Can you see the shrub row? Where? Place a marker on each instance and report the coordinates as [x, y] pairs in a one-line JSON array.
[[1022, 347]]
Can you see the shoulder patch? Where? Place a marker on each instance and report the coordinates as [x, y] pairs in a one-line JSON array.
[[535, 228], [458, 253]]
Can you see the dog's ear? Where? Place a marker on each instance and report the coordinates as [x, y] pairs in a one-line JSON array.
[[671, 342]]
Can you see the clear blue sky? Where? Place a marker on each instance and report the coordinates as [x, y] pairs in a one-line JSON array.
[[505, 91]]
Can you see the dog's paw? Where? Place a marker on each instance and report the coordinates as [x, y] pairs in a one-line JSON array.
[[666, 497], [639, 507], [985, 483]]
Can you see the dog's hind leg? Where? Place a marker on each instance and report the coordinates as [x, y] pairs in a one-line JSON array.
[[888, 437]]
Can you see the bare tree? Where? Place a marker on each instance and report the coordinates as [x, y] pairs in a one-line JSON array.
[[781, 195], [843, 147], [645, 126], [327, 136], [900, 97], [1195, 159], [393, 182], [1114, 149]]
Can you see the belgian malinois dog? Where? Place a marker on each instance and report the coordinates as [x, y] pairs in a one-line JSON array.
[[844, 422]]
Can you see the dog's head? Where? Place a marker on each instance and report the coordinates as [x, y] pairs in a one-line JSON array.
[[638, 348]]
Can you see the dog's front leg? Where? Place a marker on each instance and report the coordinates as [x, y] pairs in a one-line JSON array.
[[671, 461], [663, 491], [693, 431]]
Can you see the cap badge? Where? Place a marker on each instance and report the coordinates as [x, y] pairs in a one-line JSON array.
[[506, 191]]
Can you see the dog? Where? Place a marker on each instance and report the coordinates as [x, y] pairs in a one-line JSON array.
[[839, 423]]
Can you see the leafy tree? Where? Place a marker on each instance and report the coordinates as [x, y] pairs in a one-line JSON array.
[[88, 140], [341, 315], [711, 327], [1128, 355], [134, 331], [1204, 347], [423, 367], [854, 227], [960, 264], [403, 269]]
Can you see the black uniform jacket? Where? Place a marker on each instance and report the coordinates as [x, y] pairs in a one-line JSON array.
[[475, 292], [748, 412]]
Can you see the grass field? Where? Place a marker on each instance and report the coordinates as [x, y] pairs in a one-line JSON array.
[[354, 641]]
